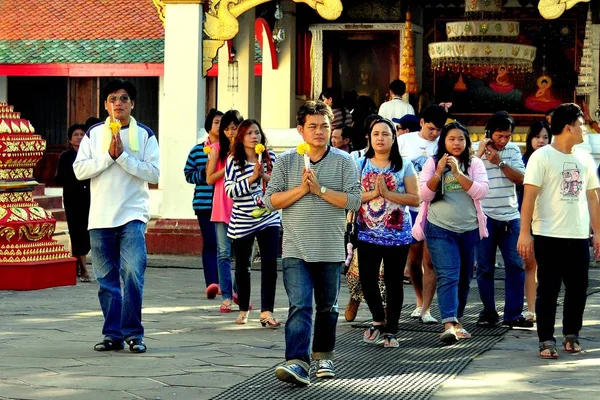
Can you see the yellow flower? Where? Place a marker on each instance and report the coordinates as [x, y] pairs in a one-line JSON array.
[[115, 127], [303, 148], [207, 149], [259, 148]]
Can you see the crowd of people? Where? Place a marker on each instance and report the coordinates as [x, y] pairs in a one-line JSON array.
[[415, 198]]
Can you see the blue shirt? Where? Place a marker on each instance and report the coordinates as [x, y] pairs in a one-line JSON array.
[[381, 221]]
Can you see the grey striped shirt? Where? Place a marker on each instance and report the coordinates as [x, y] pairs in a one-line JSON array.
[[501, 201], [313, 229]]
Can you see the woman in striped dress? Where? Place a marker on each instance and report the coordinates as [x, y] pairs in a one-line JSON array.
[[246, 179]]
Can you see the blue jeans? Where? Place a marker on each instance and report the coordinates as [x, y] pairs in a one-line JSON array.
[[224, 260], [300, 279], [502, 234], [120, 253], [452, 255], [209, 247]]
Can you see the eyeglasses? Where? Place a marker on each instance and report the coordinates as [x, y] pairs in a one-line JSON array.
[[113, 99]]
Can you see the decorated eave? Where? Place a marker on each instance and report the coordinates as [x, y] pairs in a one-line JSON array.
[[80, 38]]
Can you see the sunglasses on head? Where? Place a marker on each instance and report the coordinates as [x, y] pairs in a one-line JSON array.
[[113, 98]]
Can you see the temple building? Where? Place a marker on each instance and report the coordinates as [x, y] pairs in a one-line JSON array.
[[265, 57]]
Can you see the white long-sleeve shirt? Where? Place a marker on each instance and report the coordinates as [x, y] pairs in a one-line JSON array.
[[119, 188]]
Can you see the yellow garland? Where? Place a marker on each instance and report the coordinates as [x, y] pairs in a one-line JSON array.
[[303, 148], [207, 149], [115, 127], [259, 148]]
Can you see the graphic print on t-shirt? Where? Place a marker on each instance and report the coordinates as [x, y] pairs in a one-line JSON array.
[[451, 183], [571, 184], [420, 161]]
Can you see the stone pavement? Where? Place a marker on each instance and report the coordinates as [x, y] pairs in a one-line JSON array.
[[195, 352]]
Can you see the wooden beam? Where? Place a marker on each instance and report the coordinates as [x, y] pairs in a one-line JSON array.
[[81, 70]]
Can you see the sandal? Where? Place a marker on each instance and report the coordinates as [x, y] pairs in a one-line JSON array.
[[390, 341], [449, 336], [487, 322], [85, 278], [242, 319], [109, 345], [372, 334], [461, 333], [137, 346], [270, 322], [551, 347], [225, 307], [573, 343]]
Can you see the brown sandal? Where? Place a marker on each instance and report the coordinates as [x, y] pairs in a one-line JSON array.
[[573, 343], [270, 322]]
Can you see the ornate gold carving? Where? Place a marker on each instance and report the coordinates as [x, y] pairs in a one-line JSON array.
[[36, 232], [3, 212], [209, 52], [7, 232]]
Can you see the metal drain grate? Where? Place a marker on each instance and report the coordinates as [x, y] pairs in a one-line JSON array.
[[412, 371]]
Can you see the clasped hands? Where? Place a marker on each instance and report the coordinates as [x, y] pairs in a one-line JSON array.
[[116, 146], [381, 188], [491, 154], [447, 161]]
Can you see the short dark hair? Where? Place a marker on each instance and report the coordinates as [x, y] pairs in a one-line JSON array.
[[534, 130], [563, 115], [347, 132], [501, 121], [398, 87], [210, 118], [224, 142], [118, 84], [73, 128], [313, 108], [91, 121], [436, 115], [335, 95]]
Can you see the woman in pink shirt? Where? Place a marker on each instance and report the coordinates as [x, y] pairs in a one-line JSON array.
[[222, 204], [453, 182]]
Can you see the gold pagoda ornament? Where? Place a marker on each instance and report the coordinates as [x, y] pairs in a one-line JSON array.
[[408, 72], [29, 257]]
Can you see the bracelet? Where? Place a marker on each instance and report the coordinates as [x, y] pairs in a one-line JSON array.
[[439, 177]]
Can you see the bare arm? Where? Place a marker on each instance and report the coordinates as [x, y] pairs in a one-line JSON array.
[[212, 176], [594, 209], [525, 244]]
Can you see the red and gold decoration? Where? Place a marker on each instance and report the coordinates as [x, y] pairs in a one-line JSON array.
[[408, 72], [29, 257], [482, 42]]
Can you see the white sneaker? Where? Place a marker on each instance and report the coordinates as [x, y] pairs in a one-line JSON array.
[[416, 313], [428, 319]]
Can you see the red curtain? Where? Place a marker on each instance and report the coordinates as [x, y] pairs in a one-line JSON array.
[[303, 76]]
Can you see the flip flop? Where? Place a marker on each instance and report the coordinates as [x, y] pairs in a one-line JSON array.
[[85, 279], [551, 348]]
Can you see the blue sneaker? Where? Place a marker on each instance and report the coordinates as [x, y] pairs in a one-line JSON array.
[[292, 373], [325, 369]]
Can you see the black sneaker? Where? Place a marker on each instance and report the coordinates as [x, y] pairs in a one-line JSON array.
[[487, 322], [520, 322]]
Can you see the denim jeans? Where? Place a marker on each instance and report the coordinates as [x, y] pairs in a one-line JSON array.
[[120, 253], [502, 234], [300, 279], [209, 247], [369, 263], [566, 261], [452, 255], [268, 242], [224, 260]]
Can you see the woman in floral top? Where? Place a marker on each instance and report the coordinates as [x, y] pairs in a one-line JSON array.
[[389, 184]]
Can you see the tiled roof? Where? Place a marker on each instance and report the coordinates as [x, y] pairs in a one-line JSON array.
[[80, 31], [81, 51]]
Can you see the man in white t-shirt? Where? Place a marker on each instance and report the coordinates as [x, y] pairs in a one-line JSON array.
[[418, 147], [396, 107], [560, 196]]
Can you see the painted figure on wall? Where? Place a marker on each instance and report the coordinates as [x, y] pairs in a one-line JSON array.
[[503, 83], [543, 99]]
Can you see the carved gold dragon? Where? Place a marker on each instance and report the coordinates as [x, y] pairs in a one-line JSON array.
[[552, 9]]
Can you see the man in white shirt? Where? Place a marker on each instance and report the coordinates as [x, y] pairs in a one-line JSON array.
[[504, 166], [560, 196], [418, 147], [396, 107], [120, 166]]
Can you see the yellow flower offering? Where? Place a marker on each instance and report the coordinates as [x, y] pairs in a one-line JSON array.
[[207, 149], [259, 149], [303, 149], [115, 127]]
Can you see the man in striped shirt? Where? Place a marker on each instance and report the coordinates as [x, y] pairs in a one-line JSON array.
[[504, 164], [314, 219]]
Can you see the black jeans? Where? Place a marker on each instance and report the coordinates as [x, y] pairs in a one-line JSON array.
[[369, 261], [561, 260], [268, 243]]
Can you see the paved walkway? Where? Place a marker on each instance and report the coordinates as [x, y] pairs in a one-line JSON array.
[[195, 352]]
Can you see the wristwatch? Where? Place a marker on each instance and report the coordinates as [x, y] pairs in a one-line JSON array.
[[502, 164], [323, 189]]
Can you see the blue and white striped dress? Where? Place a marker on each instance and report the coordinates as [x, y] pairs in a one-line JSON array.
[[246, 199]]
